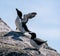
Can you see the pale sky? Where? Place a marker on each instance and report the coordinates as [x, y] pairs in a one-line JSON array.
[[47, 22]]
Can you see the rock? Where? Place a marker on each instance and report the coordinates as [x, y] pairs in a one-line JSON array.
[[14, 43]]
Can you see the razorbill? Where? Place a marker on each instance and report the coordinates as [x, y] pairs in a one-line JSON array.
[[36, 42], [21, 25]]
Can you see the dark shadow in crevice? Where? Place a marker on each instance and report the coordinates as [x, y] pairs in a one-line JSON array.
[[16, 54], [35, 49], [15, 35]]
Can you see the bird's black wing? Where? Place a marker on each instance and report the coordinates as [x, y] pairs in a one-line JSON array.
[[19, 13], [31, 15]]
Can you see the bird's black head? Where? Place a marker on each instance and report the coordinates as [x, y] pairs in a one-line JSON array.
[[33, 35], [19, 13]]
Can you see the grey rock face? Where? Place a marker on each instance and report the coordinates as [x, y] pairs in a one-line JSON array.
[[4, 27], [16, 44]]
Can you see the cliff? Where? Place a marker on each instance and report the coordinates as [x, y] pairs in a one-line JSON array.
[[14, 43]]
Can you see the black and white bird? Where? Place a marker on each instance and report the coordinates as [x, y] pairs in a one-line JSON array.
[[36, 42], [21, 22]]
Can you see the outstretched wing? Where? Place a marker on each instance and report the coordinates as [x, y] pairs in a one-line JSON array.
[[19, 13], [30, 15]]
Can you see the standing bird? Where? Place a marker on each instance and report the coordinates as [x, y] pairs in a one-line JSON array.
[[21, 22], [36, 42]]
